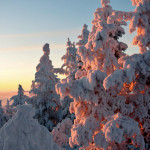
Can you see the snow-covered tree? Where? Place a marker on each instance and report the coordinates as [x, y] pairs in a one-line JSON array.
[[45, 99], [80, 72], [22, 132], [140, 20], [9, 111], [20, 98], [63, 112], [103, 48], [133, 81], [84, 36], [100, 111], [70, 68], [133, 78], [69, 58], [3, 118]]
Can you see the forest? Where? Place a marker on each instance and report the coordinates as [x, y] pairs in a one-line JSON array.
[[102, 103]]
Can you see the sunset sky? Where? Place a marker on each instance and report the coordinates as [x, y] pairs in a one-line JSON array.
[[27, 25]]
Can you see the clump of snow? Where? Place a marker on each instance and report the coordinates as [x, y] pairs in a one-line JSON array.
[[62, 132], [135, 67], [22, 132], [118, 127], [117, 130]]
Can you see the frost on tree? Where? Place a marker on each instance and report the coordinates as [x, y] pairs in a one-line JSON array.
[[92, 103], [20, 98], [22, 132], [3, 117], [140, 20], [45, 99]]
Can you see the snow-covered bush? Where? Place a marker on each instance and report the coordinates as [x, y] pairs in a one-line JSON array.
[[22, 132], [44, 97]]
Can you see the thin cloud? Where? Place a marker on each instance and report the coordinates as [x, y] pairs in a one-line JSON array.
[[41, 34], [31, 48]]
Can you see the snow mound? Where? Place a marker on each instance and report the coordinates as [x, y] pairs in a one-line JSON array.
[[23, 132]]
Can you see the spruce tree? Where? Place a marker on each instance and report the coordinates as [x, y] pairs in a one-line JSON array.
[[44, 97], [20, 98]]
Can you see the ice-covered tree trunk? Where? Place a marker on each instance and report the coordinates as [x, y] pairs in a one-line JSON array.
[[22, 132], [45, 99], [20, 98]]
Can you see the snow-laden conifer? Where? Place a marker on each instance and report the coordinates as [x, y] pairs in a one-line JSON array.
[[44, 97], [93, 103], [20, 98]]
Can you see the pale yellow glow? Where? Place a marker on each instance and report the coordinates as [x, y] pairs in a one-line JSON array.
[[10, 82]]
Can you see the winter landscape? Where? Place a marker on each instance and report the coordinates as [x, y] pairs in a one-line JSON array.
[[96, 97]]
